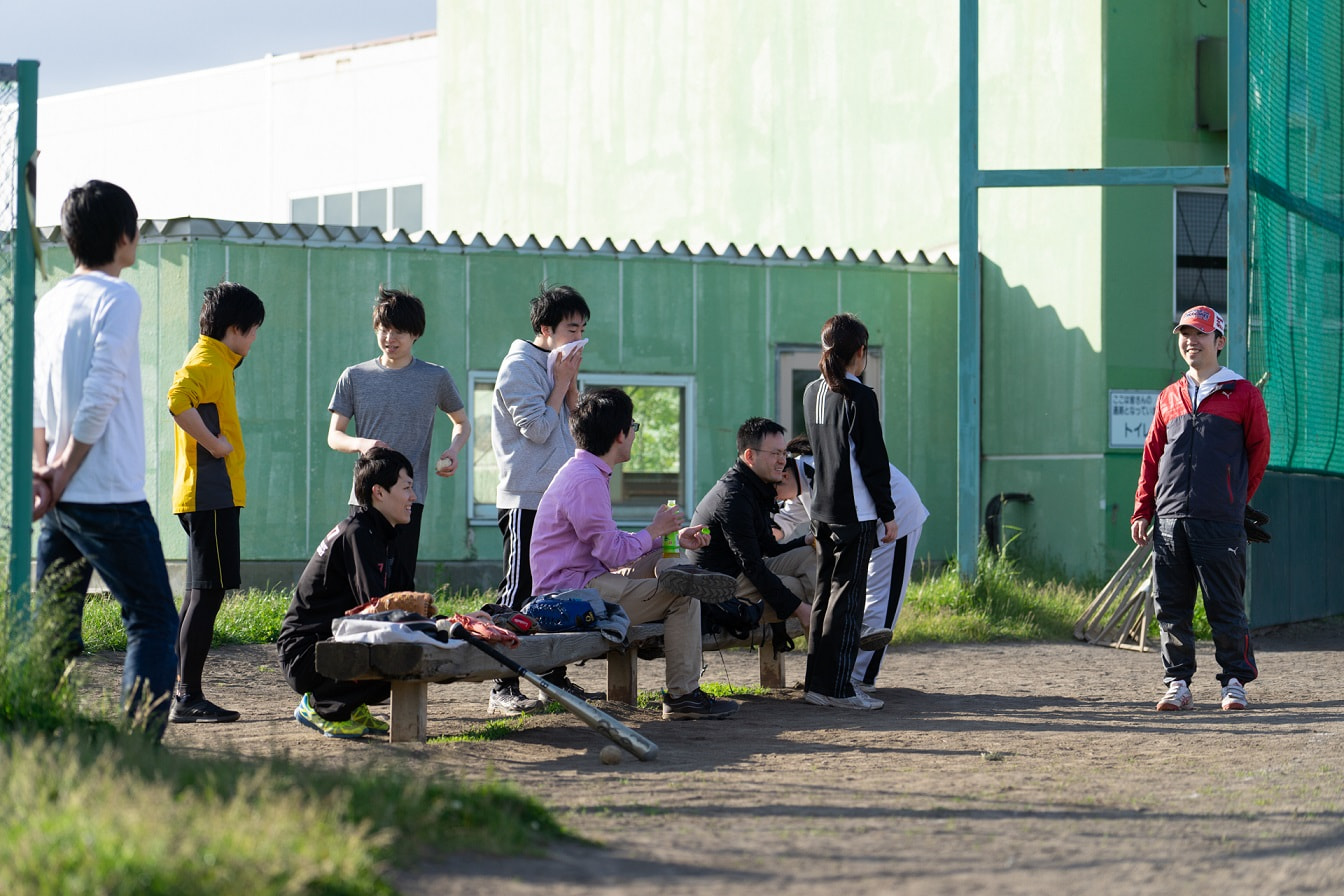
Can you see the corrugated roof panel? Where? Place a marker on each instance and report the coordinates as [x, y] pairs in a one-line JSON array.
[[314, 234]]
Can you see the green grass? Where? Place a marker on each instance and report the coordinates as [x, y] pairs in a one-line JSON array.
[[110, 813], [1007, 600], [498, 729], [92, 804], [252, 616], [1003, 602], [653, 700]]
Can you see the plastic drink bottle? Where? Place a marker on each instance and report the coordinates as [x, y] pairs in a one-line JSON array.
[[670, 546]]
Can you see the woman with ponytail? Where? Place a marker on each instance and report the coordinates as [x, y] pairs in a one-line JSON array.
[[851, 509]]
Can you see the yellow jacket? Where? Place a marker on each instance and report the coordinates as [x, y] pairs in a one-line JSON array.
[[205, 382]]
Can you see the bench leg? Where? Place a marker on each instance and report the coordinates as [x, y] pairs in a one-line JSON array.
[[623, 676], [410, 712], [772, 665]]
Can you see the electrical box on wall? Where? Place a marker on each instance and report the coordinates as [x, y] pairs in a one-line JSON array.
[[1211, 83]]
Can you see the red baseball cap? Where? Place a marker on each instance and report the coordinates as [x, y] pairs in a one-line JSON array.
[[1202, 318]]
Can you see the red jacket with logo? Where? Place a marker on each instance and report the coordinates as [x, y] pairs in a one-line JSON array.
[[1206, 462]]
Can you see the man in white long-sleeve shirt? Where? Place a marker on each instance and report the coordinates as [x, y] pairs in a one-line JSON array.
[[89, 447]]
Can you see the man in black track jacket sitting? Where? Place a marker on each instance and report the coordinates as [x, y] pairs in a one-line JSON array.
[[742, 543]]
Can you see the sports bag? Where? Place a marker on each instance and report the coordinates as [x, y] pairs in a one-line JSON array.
[[579, 610], [735, 617]]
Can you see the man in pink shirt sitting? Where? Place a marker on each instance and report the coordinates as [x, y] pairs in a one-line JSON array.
[[576, 544]]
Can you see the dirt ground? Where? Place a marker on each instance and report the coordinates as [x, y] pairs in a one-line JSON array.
[[1001, 768]]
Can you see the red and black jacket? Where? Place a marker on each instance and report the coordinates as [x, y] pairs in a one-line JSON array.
[[1206, 462]]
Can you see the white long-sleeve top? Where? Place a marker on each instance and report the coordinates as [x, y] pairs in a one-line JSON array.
[[86, 384], [795, 515]]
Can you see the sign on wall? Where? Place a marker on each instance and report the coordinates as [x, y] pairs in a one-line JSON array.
[[1131, 414]]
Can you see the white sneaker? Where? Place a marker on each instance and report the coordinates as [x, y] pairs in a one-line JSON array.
[[1234, 695], [861, 686], [860, 701], [1176, 697]]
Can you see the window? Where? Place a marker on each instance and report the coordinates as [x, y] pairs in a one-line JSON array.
[[373, 209], [1201, 250], [365, 208], [660, 466], [797, 367], [338, 210], [304, 211], [407, 211]]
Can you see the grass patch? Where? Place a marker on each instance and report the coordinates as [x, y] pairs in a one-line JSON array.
[[1003, 602], [495, 729], [94, 805], [113, 814], [653, 700], [250, 616], [499, 729], [1006, 601]]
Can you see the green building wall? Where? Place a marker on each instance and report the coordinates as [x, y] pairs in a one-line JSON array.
[[718, 319], [1077, 291]]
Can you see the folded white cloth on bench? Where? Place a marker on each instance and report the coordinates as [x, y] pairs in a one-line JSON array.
[[357, 630]]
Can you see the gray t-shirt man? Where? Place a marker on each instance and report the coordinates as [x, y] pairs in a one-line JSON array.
[[397, 407]]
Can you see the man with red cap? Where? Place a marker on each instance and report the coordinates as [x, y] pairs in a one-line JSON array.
[[1203, 459]]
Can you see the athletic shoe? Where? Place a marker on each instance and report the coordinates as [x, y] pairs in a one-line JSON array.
[[571, 686], [688, 580], [350, 729], [372, 724], [1234, 695], [697, 705], [509, 701], [859, 701], [872, 638], [1176, 697], [863, 686], [199, 710]]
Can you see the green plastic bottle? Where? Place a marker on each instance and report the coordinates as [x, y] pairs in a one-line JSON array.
[[670, 546]]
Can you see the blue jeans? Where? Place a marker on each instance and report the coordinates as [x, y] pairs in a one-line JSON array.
[[121, 542]]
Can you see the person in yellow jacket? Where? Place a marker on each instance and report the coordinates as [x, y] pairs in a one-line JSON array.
[[208, 485]]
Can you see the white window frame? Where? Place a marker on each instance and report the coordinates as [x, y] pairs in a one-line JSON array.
[[484, 513], [792, 357], [481, 513]]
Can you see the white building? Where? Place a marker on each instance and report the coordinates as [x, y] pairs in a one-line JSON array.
[[339, 136]]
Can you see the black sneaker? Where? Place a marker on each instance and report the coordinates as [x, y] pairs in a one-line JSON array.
[[199, 710], [566, 683], [873, 638], [689, 580], [697, 705], [509, 701]]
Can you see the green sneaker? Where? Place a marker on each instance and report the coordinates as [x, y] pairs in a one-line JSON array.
[[372, 724], [349, 729]]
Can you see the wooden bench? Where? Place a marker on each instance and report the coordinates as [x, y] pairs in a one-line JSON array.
[[411, 668]]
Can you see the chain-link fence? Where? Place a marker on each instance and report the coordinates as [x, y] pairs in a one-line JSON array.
[[1296, 241]]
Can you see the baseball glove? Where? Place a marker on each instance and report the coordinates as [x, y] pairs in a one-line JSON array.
[[483, 627], [410, 601]]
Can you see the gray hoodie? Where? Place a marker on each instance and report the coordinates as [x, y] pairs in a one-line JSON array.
[[531, 441]]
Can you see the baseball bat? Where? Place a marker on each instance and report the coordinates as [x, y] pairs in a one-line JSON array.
[[626, 738]]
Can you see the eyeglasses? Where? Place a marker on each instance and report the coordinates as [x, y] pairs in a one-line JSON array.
[[634, 426]]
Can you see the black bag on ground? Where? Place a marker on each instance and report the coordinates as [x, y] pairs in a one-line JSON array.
[[735, 617]]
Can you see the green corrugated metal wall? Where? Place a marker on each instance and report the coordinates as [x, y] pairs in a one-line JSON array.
[[718, 319]]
